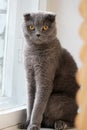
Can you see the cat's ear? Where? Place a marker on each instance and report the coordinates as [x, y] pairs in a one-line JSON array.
[[26, 17], [51, 17]]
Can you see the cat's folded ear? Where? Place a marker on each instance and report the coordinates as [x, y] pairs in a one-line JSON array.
[[26, 17], [51, 17]]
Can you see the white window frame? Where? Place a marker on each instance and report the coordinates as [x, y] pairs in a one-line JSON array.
[[12, 116]]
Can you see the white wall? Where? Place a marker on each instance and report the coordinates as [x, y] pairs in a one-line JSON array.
[[68, 22]]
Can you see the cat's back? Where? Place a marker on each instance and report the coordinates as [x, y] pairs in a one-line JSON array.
[[68, 62], [65, 80]]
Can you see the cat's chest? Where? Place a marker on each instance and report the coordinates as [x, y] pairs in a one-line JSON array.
[[42, 58], [39, 57]]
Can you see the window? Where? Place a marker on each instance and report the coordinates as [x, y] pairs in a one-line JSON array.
[[3, 15], [8, 56], [11, 59]]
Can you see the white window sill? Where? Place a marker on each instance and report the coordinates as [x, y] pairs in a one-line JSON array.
[[16, 128], [12, 117]]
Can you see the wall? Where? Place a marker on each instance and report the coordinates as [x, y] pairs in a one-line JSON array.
[[68, 22]]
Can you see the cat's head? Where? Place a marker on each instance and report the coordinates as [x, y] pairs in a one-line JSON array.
[[40, 27]]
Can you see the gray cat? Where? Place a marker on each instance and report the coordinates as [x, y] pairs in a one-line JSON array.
[[50, 72]]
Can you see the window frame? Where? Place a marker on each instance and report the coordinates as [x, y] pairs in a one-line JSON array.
[[12, 117]]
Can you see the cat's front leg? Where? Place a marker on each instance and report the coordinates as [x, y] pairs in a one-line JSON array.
[[30, 91], [30, 96], [44, 88], [41, 98]]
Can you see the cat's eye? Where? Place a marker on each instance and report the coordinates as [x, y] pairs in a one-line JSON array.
[[31, 27], [45, 28]]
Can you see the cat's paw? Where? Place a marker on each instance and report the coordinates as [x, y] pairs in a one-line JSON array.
[[23, 125], [61, 125], [33, 127]]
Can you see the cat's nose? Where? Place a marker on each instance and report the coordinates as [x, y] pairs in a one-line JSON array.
[[38, 35]]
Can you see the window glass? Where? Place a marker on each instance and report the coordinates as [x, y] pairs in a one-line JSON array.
[[3, 15]]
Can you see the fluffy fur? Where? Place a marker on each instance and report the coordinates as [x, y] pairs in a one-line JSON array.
[[50, 73]]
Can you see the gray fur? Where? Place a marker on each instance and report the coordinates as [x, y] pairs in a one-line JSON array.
[[50, 72]]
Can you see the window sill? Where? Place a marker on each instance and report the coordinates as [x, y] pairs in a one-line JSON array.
[[12, 117], [16, 128]]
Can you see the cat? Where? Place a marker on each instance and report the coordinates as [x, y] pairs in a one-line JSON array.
[[50, 72]]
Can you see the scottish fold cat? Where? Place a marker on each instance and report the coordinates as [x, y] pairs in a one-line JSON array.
[[50, 73]]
